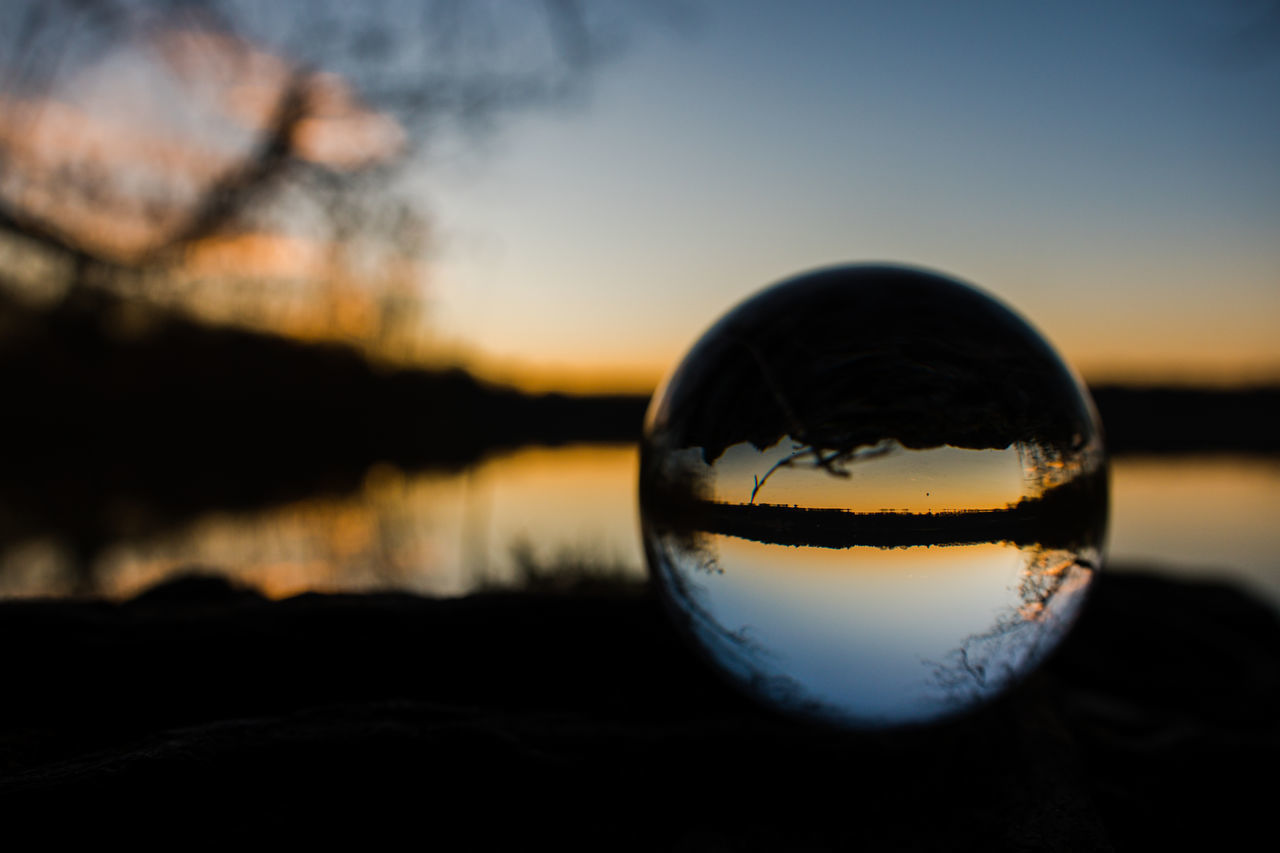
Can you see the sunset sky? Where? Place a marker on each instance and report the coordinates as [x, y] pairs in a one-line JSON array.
[[1111, 170]]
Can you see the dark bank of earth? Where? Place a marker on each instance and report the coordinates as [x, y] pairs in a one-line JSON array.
[[581, 720], [126, 421]]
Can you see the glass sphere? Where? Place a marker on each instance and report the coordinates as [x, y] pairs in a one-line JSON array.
[[873, 495]]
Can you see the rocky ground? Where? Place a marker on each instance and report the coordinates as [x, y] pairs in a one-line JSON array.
[[581, 720]]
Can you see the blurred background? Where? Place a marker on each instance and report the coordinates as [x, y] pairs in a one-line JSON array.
[[325, 296]]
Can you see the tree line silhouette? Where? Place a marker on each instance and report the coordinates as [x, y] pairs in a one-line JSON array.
[[1065, 516]]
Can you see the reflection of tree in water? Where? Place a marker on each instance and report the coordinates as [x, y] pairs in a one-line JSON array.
[[1050, 593]]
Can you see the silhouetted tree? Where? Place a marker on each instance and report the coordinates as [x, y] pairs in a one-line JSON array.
[[137, 136]]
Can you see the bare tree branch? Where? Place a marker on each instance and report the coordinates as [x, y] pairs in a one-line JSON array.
[[250, 177]]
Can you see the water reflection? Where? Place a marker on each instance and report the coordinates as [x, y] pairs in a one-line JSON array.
[[1182, 515], [1200, 516], [431, 533], [871, 635]]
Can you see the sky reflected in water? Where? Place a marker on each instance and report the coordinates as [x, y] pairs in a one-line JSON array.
[[872, 636], [446, 534]]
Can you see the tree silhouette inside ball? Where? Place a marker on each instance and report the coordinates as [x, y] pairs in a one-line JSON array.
[[873, 495]]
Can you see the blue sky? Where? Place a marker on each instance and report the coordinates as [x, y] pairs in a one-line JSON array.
[[1111, 170]]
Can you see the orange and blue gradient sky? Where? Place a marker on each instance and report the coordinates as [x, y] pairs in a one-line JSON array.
[[1111, 170]]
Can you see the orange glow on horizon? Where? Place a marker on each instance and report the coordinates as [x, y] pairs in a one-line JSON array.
[[641, 376], [407, 530], [886, 564], [592, 376], [1227, 374]]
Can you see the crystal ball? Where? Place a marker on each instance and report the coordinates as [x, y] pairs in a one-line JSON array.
[[873, 495]]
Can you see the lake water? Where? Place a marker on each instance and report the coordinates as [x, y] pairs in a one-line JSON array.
[[449, 534]]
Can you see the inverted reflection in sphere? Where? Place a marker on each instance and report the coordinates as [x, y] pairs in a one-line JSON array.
[[873, 495]]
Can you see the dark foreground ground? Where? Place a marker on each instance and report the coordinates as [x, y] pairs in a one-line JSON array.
[[580, 720]]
